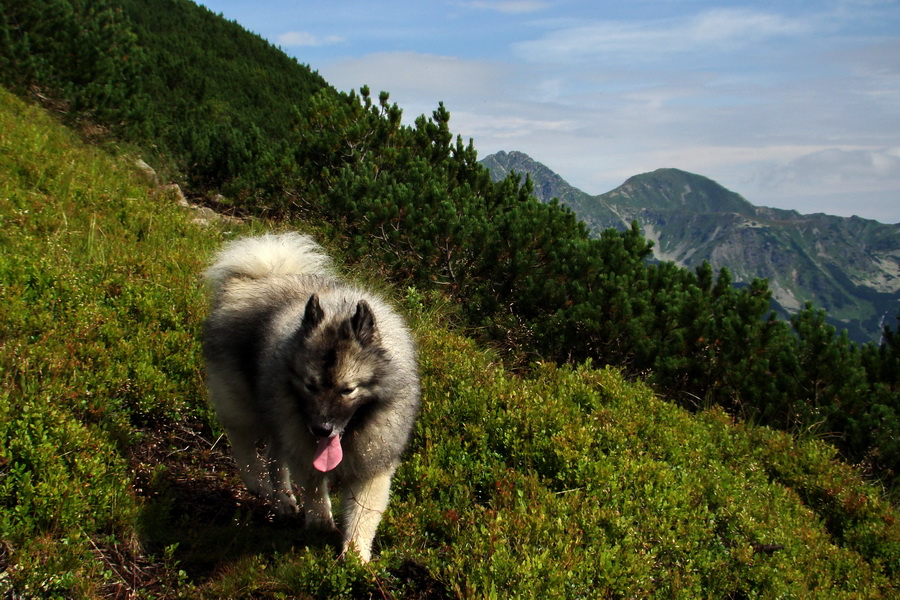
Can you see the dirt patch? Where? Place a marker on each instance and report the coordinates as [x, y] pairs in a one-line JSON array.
[[135, 574]]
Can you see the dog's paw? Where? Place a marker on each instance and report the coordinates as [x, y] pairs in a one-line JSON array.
[[364, 554], [319, 522], [284, 504]]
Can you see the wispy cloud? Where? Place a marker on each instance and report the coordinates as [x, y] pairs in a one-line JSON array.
[[417, 75], [512, 7], [721, 29], [306, 39], [836, 166]]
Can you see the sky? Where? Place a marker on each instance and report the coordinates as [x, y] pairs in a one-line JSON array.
[[791, 103]]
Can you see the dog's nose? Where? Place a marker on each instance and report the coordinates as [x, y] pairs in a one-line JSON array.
[[322, 430]]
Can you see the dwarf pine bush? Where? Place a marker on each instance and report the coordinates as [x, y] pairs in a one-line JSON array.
[[576, 483], [556, 482]]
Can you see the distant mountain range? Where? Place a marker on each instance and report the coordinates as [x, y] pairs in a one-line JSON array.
[[848, 266]]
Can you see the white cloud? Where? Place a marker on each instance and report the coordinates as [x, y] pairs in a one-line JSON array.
[[520, 127], [714, 30], [836, 166], [306, 39], [740, 27], [413, 77], [508, 6]]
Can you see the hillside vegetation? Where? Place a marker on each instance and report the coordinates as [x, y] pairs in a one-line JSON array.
[[206, 99], [527, 276], [116, 479], [566, 482]]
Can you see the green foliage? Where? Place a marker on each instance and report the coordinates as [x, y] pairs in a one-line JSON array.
[[569, 482], [880, 414], [78, 52], [202, 69], [237, 115], [93, 345], [575, 483], [221, 97], [196, 91]]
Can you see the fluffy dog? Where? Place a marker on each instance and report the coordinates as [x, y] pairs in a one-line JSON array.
[[314, 380]]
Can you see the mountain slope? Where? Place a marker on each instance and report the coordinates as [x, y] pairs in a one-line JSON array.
[[203, 96], [563, 483], [200, 65], [549, 185], [849, 266]]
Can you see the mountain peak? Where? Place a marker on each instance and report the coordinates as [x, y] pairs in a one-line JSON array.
[[850, 267], [503, 163], [549, 185], [673, 188]]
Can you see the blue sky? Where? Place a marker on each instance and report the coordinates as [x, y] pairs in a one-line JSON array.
[[793, 104]]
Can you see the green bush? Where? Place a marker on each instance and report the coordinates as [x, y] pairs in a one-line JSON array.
[[231, 113], [552, 481], [95, 344]]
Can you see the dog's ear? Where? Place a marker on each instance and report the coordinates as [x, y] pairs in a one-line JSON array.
[[312, 316], [362, 324]]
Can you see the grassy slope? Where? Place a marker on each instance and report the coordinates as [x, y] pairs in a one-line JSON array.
[[99, 312], [563, 483]]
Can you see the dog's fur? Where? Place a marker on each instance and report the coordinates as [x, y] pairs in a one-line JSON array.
[[295, 357]]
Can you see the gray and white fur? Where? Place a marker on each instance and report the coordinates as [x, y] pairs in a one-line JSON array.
[[314, 380]]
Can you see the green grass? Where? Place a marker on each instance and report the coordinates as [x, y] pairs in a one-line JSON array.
[[99, 313], [560, 483]]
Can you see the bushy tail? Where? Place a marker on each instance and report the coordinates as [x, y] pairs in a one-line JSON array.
[[267, 256]]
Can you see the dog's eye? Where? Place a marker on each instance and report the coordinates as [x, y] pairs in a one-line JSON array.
[[310, 386], [347, 391]]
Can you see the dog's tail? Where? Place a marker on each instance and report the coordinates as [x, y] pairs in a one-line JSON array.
[[267, 256]]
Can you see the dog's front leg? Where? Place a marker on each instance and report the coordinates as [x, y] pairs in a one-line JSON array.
[[366, 502], [250, 464], [282, 496], [314, 495], [317, 504]]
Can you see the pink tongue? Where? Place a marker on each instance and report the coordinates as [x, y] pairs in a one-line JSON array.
[[328, 453]]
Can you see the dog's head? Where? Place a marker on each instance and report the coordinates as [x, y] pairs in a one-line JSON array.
[[337, 362]]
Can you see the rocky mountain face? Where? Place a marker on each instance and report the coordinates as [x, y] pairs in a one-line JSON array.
[[848, 266]]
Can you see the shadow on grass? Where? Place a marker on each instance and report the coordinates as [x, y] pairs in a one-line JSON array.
[[196, 510], [198, 518]]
